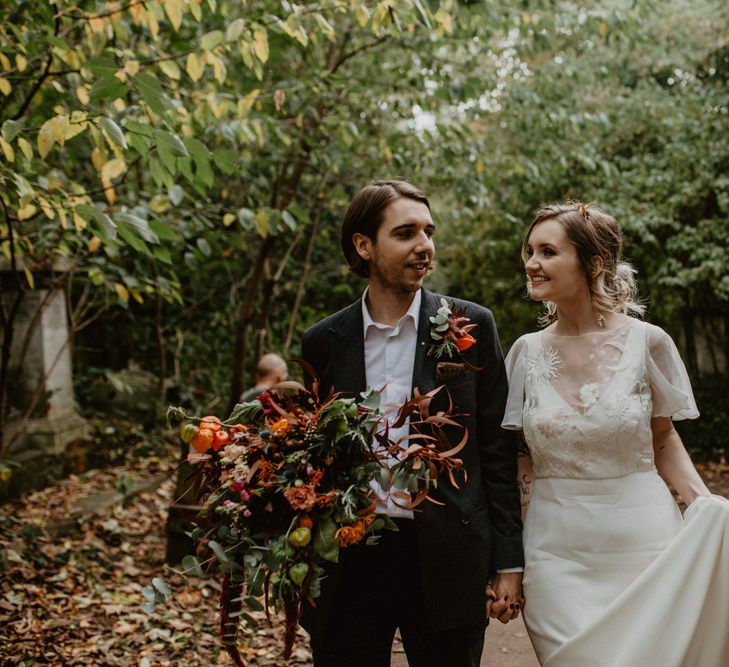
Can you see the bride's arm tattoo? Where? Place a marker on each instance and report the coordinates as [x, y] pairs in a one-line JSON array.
[[525, 474]]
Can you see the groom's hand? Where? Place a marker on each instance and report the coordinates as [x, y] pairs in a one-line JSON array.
[[504, 598]]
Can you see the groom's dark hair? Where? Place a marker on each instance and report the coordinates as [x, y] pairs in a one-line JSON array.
[[365, 213]]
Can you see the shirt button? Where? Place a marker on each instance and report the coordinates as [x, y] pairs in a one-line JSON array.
[[465, 522]]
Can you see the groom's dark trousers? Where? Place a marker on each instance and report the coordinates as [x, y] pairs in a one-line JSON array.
[[430, 578]]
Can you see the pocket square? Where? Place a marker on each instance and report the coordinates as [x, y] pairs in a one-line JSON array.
[[447, 370]]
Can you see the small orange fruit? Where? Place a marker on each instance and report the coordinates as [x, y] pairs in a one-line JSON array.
[[220, 438], [210, 422], [305, 521], [202, 440]]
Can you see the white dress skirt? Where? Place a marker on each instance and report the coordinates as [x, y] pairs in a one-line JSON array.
[[614, 575]]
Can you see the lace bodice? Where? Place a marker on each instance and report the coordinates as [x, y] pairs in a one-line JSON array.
[[585, 402]]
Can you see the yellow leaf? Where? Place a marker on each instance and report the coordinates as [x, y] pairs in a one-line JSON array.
[[362, 15], [83, 95], [27, 211], [195, 66], [62, 218], [228, 219], [5, 87], [119, 104], [122, 292], [603, 29], [25, 146], [46, 208], [46, 138], [170, 68], [97, 24], [153, 24], [5, 62], [98, 158], [260, 44], [219, 70], [113, 169], [7, 150], [21, 63], [121, 75], [76, 125], [173, 8], [246, 104], [132, 67], [137, 296], [29, 277], [78, 221], [94, 244], [325, 27], [445, 19], [262, 217], [58, 127]]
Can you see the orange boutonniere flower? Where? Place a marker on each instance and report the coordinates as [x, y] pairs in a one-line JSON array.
[[450, 331]]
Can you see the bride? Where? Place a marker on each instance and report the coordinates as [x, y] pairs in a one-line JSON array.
[[614, 575]]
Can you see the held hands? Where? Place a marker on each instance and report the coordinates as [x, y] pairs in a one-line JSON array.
[[504, 597]]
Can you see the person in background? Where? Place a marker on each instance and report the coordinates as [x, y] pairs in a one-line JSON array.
[[271, 370]]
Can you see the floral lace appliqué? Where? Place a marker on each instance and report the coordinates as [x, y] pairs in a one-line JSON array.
[[589, 394], [545, 365]]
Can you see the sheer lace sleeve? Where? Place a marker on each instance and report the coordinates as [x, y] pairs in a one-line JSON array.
[[516, 366], [670, 385]]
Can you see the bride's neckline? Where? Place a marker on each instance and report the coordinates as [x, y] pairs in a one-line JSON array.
[[626, 320]]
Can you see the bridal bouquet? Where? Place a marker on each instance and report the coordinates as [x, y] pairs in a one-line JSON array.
[[285, 484]]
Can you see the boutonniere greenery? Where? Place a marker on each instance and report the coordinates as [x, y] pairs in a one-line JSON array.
[[449, 331]]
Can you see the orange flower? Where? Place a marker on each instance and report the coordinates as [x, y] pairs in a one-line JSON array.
[[464, 342], [326, 499], [316, 477], [301, 497], [349, 535], [281, 426]]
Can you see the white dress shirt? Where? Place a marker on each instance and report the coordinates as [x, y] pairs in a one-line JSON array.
[[389, 358]]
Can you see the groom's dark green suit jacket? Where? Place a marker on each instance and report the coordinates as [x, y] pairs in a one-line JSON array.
[[478, 528]]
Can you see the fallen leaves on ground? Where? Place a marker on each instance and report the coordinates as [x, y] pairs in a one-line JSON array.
[[70, 592]]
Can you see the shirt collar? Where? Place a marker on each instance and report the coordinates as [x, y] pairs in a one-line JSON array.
[[413, 313]]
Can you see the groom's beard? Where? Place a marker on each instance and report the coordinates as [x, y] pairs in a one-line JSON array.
[[396, 280]]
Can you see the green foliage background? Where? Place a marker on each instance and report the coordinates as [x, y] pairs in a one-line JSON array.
[[194, 159]]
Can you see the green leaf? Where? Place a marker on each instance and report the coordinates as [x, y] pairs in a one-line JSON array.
[[140, 225], [325, 543], [161, 586], [11, 129], [151, 91], [218, 551], [162, 253], [103, 225], [170, 142], [201, 156], [204, 247], [192, 566], [163, 230], [114, 131], [168, 160], [103, 66], [246, 218], [226, 160], [107, 89], [211, 40], [128, 235], [289, 220], [159, 173]]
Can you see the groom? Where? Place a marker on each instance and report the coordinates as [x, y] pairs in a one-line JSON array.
[[430, 578]]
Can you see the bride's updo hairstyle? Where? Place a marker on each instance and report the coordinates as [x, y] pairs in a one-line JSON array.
[[595, 234]]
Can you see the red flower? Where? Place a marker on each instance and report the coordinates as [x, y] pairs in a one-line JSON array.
[[464, 342]]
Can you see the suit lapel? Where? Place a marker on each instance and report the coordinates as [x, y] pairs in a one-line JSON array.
[[348, 365], [424, 366]]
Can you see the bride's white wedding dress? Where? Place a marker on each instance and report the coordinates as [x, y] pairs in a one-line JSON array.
[[614, 575]]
